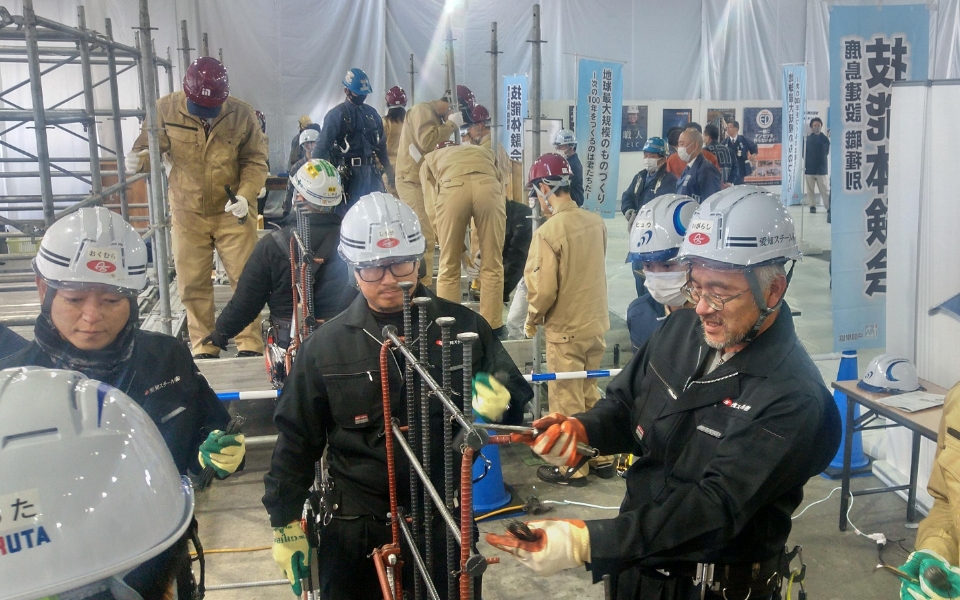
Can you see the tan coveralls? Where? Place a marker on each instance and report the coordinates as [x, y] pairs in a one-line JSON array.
[[566, 284], [460, 183], [391, 129], [422, 130], [510, 172], [940, 530], [234, 153]]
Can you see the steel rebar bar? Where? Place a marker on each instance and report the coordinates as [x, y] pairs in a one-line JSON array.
[[422, 303], [413, 431], [446, 324]]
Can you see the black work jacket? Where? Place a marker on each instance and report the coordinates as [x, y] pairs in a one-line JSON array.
[[11, 341], [639, 192], [266, 277], [163, 379], [722, 458], [516, 245], [576, 180], [332, 400]]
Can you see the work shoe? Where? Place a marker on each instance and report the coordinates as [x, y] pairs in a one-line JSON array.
[[501, 332], [813, 209], [606, 471], [248, 354], [204, 356], [551, 474]]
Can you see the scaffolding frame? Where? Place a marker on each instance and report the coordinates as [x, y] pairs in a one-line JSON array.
[[21, 37]]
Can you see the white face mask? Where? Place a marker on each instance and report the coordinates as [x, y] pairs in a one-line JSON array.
[[652, 164], [683, 154], [665, 287]]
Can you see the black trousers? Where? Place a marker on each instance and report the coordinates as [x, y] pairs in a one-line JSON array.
[[346, 568], [636, 584]]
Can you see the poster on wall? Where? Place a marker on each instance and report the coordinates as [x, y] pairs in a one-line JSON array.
[[794, 104], [720, 117], [571, 117], [675, 117], [871, 47], [599, 98], [762, 125], [633, 135], [514, 111]]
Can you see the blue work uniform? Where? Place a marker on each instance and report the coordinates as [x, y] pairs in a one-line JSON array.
[[644, 316], [645, 187], [699, 180], [576, 182], [740, 148], [352, 137]]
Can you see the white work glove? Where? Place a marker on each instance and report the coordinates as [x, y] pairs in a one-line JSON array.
[[240, 208], [455, 117], [132, 161], [263, 192], [560, 544], [473, 268]]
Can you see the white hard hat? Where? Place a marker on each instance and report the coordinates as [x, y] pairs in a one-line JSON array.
[[90, 489], [659, 228], [565, 137], [309, 135], [318, 182], [93, 247], [889, 373], [380, 229], [741, 226]]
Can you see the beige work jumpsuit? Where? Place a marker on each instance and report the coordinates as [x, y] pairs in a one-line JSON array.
[[391, 129], [940, 530]]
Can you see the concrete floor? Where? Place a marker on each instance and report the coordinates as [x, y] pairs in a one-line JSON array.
[[839, 565]]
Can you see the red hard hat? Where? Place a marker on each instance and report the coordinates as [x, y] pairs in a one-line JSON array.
[[446, 143], [262, 119], [479, 114], [466, 97], [206, 82], [396, 97], [549, 165]]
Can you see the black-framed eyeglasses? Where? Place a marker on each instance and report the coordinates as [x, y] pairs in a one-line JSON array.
[[374, 274], [713, 301]]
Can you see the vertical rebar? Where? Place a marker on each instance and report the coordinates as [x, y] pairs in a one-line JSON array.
[[467, 340], [413, 438], [139, 59], [96, 183], [184, 45], [303, 231], [422, 303], [160, 250], [412, 80], [449, 483], [205, 46], [169, 69], [494, 87], [39, 115], [452, 76], [117, 128], [534, 112], [220, 55]]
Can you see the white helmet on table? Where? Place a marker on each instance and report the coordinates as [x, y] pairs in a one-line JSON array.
[[318, 182], [659, 228], [890, 374], [308, 135], [379, 230], [93, 247], [97, 489]]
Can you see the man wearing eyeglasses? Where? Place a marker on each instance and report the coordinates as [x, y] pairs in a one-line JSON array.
[[332, 402], [728, 418]]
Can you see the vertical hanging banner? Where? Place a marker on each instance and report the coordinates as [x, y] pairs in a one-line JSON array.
[[515, 111], [870, 48], [794, 108], [599, 118], [763, 126]]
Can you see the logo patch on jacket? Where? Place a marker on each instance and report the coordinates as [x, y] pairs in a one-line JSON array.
[[361, 420], [160, 386], [736, 405], [639, 432], [709, 431]]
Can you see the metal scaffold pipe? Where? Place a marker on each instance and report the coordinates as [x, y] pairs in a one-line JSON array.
[[161, 252], [39, 118], [96, 182], [205, 45], [534, 113], [412, 82], [184, 45], [452, 80], [494, 89]]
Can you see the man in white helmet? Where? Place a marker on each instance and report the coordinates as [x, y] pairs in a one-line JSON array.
[[90, 267], [266, 278], [656, 235], [566, 146], [728, 418], [331, 403], [93, 536]]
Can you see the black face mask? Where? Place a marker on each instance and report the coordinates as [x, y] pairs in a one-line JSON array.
[[357, 100]]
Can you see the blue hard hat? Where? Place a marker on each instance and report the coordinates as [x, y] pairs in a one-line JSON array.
[[655, 145], [357, 82]]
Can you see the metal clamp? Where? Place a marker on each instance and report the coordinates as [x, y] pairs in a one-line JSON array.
[[703, 576]]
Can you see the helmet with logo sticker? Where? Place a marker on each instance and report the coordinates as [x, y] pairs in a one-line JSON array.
[[379, 230], [565, 137], [659, 228], [97, 490], [357, 82], [93, 247], [318, 182], [206, 82], [891, 374]]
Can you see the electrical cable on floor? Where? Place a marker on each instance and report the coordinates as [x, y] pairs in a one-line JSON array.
[[231, 550], [876, 537], [572, 503], [506, 509]]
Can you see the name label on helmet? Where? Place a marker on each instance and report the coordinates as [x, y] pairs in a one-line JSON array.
[[20, 509], [108, 254], [701, 225], [647, 224], [388, 242]]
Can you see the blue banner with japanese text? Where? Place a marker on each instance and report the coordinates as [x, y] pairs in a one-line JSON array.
[[514, 112], [794, 109], [599, 118], [871, 47]]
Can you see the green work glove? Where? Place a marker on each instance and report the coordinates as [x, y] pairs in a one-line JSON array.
[[222, 451], [292, 553], [937, 579], [490, 397]]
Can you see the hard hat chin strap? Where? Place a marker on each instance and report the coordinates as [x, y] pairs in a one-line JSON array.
[[765, 311], [546, 199]]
